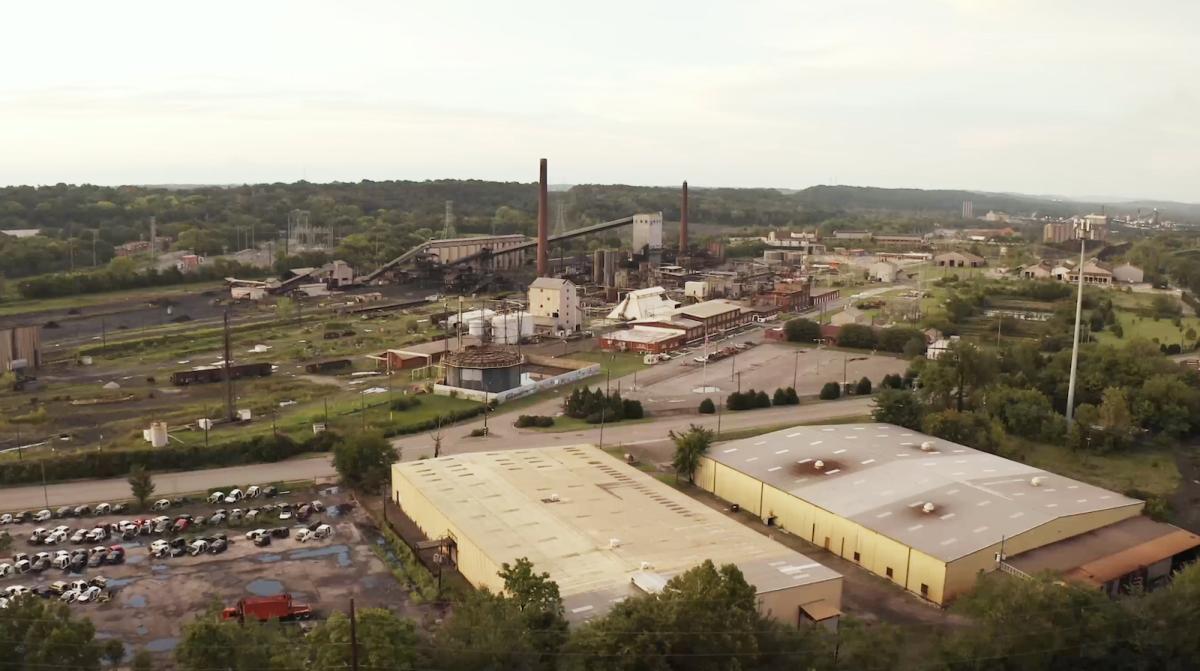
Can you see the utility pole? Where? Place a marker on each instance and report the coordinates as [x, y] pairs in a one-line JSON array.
[[353, 637], [230, 413], [1083, 230], [795, 368], [603, 407]]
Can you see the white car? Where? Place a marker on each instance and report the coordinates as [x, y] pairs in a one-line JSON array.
[[55, 538], [42, 516], [254, 534], [79, 536], [102, 509], [235, 514], [22, 566], [91, 594], [304, 535], [69, 596], [216, 497], [322, 531], [6, 570], [159, 548], [6, 518], [234, 496], [197, 548], [161, 504], [161, 524], [253, 492], [15, 590], [61, 562], [96, 535]]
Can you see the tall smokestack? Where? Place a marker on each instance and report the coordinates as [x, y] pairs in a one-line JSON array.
[[543, 246], [683, 221]]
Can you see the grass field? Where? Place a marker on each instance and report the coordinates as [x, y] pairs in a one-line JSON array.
[[12, 304], [1148, 471]]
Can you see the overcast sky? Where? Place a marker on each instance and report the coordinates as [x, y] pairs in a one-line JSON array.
[[1078, 98]]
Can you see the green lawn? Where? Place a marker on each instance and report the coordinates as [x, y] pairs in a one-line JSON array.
[[1149, 471], [618, 364], [1163, 330], [564, 423]]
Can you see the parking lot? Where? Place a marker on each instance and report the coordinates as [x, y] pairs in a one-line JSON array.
[[152, 598], [764, 367]]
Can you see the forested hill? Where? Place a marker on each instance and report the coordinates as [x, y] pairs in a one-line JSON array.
[[390, 216]]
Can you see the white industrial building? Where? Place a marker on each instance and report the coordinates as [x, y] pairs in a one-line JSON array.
[[647, 231], [554, 304], [643, 304]]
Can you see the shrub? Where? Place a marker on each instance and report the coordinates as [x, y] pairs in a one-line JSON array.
[[761, 400], [857, 335], [736, 401], [802, 330], [405, 402], [792, 397], [541, 421], [863, 387], [707, 407], [896, 339], [633, 409], [830, 391], [780, 397], [891, 381], [479, 432]]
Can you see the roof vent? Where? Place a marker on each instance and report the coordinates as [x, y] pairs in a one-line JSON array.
[[1037, 481], [928, 508], [818, 464], [927, 446], [614, 543]]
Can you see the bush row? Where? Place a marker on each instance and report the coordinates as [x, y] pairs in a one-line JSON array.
[[117, 463], [542, 421]]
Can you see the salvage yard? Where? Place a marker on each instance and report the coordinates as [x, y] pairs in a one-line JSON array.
[[151, 599]]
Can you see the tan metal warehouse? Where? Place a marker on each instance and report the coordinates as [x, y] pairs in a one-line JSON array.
[[603, 530], [926, 513]]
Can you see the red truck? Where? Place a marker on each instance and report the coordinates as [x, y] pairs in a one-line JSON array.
[[263, 608]]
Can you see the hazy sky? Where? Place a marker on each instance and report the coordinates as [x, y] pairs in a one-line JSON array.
[[1078, 98]]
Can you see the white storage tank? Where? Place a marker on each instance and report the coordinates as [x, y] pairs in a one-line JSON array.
[[509, 328], [477, 327], [157, 434]]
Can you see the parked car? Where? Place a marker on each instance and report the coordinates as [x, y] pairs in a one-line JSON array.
[[64, 511], [61, 562], [252, 514], [323, 531], [303, 535], [118, 508], [159, 548], [216, 519], [198, 547], [181, 525], [235, 515], [303, 512], [216, 497], [78, 562], [234, 496], [6, 570], [253, 492], [218, 546], [263, 540], [102, 509], [79, 536], [13, 591], [280, 532], [116, 555], [91, 595], [285, 511], [22, 566], [36, 536], [42, 516], [80, 511], [69, 596], [55, 538], [317, 506], [58, 587], [161, 504], [270, 491], [6, 518]]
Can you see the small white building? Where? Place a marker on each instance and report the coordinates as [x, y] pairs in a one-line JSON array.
[[697, 290], [939, 347], [1127, 273], [886, 271], [643, 304], [554, 304]]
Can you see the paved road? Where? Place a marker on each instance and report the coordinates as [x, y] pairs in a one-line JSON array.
[[648, 439]]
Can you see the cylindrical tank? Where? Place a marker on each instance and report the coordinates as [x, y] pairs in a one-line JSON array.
[[485, 368], [158, 434], [598, 267], [610, 267], [508, 329], [477, 327]]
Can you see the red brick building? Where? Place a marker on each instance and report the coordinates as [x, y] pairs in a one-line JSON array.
[[642, 338]]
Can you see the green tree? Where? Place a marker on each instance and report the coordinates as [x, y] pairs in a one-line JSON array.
[[141, 485], [780, 397], [385, 641], [970, 428], [830, 391], [707, 407], [523, 628], [863, 387], [957, 375], [113, 652], [364, 460], [39, 634], [142, 661], [285, 308], [792, 397], [690, 446], [706, 618], [209, 644], [802, 330], [856, 335], [900, 407], [1023, 412]]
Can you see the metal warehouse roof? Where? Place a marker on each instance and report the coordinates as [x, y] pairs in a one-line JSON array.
[[591, 521], [707, 309], [879, 476]]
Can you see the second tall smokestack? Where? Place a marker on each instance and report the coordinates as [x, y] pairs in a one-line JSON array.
[[543, 243], [683, 209]]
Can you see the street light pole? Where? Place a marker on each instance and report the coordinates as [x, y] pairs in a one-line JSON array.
[[795, 367], [1083, 231]]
